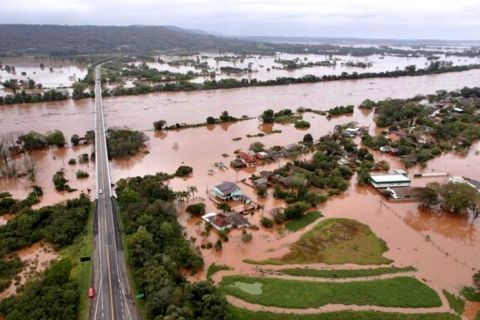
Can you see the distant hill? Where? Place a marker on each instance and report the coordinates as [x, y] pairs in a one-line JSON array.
[[72, 40]]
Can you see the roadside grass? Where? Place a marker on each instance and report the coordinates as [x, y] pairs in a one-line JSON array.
[[214, 268], [335, 241], [344, 273], [242, 314], [396, 292], [455, 302], [82, 271], [470, 294], [303, 221]]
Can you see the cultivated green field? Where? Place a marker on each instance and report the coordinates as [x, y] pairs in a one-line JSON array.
[[395, 292], [242, 314]]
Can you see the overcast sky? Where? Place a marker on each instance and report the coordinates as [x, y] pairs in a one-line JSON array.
[[412, 19]]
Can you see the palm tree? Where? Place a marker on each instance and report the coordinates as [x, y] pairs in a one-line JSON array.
[[192, 190]]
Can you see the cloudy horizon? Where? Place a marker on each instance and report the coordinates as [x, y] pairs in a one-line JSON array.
[[427, 19]]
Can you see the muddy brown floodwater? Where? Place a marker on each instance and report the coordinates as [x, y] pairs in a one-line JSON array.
[[444, 248]]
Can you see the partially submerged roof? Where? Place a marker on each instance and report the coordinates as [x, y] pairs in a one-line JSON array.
[[227, 187], [386, 178]]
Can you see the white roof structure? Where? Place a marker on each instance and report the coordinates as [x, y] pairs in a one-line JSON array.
[[386, 178], [381, 181]]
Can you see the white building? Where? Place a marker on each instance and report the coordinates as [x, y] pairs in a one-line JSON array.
[[381, 181]]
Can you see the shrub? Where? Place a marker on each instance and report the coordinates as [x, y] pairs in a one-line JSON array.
[[257, 146], [308, 139], [82, 174], [183, 171], [262, 192], [75, 140], [211, 120], [61, 184], [218, 245], [196, 209], [296, 210], [33, 140], [246, 237], [279, 217], [225, 207], [314, 198], [302, 124], [56, 138], [159, 125], [72, 162], [83, 158], [266, 222]]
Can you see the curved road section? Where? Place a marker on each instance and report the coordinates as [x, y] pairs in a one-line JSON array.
[[113, 299]]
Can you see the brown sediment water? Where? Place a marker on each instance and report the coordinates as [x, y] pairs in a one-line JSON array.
[[441, 246], [48, 162], [139, 112], [36, 258]]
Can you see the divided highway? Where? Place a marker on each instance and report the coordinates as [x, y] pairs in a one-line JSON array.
[[113, 298]]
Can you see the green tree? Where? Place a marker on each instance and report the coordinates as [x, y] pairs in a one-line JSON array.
[[268, 116], [56, 138], [159, 125], [196, 209], [459, 198], [75, 139], [308, 139]]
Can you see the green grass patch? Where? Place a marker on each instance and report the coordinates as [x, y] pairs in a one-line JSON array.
[[303, 221], [470, 294], [264, 262], [395, 292], [82, 271], [455, 302], [292, 118], [335, 241], [344, 273], [242, 314], [214, 268]]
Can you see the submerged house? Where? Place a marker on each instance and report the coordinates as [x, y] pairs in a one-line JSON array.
[[381, 181], [249, 160], [226, 220], [227, 191]]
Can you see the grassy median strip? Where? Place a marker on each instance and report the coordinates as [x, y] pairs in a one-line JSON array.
[[242, 314], [344, 273], [335, 241], [396, 292], [303, 221]]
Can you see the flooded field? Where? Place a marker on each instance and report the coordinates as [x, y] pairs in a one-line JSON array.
[[268, 67], [442, 247], [49, 73]]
